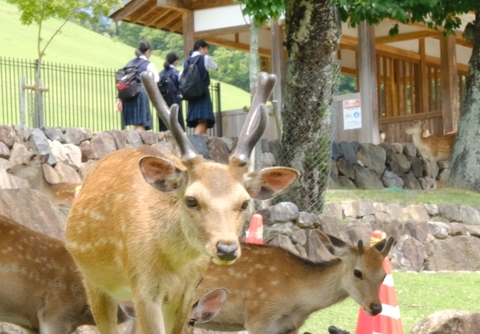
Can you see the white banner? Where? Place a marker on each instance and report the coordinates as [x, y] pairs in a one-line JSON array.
[[352, 114]]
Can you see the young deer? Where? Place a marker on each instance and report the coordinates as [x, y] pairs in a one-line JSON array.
[[31, 170], [40, 287], [146, 223], [431, 148], [274, 291]]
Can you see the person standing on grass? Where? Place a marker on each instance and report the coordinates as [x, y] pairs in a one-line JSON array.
[[170, 71], [136, 111], [200, 112]]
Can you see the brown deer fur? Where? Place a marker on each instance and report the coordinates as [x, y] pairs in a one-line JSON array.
[[31, 170], [40, 287], [431, 148], [273, 291], [146, 223]]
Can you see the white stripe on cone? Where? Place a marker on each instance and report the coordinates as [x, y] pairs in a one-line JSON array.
[[388, 280], [391, 311]]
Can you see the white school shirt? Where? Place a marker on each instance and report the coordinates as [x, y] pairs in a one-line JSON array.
[[210, 64], [152, 68]]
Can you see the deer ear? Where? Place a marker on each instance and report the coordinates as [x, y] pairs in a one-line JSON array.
[[270, 182], [43, 158], [209, 305], [334, 245], [384, 246], [162, 173]]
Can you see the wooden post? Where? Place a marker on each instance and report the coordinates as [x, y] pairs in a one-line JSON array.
[[368, 83], [421, 80], [278, 68], [188, 33], [449, 76]]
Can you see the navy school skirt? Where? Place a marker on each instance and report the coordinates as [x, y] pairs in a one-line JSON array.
[[180, 116], [136, 111], [201, 109]]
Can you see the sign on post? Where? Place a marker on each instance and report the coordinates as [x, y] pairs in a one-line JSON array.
[[352, 114]]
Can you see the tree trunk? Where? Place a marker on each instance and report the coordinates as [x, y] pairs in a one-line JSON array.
[[313, 31], [465, 161], [253, 57]]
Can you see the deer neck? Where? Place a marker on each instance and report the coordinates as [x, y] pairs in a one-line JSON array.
[[38, 182]]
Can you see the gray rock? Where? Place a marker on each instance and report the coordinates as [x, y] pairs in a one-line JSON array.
[[316, 250], [417, 166], [54, 133], [102, 145], [427, 183], [450, 211], [474, 231], [448, 322], [409, 253], [86, 167], [7, 135], [4, 151], [366, 178], [346, 168], [438, 230], [351, 209], [73, 154], [443, 164], [400, 164], [336, 151], [166, 146], [359, 230], [87, 151], [392, 227], [457, 253], [280, 213], [284, 242], [133, 138], [411, 182], [443, 175], [417, 230], [307, 220], [397, 147], [77, 135], [39, 142], [390, 180], [218, 150], [457, 229], [148, 137], [417, 212], [119, 137], [299, 238], [432, 209], [333, 209], [8, 181], [389, 150], [333, 225], [67, 174], [345, 182], [348, 152], [271, 231], [22, 132], [373, 157], [229, 143], [268, 160], [410, 150], [469, 215], [199, 142]]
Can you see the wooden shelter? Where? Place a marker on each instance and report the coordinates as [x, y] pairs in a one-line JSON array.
[[417, 75]]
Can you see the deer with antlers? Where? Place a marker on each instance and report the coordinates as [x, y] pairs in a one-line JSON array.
[[61, 194], [40, 287], [274, 291], [146, 223]]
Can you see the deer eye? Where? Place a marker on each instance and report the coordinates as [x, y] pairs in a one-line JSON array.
[[244, 205], [191, 202], [357, 274]]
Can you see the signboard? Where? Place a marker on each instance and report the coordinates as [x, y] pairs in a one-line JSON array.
[[352, 114]]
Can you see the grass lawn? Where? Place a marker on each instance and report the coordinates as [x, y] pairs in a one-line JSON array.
[[419, 295]]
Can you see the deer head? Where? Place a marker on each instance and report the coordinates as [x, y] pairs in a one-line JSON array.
[[30, 168], [414, 128]]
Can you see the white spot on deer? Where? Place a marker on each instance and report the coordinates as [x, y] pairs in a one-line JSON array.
[[247, 293], [12, 231], [96, 215], [259, 266], [273, 268], [263, 295], [275, 283]]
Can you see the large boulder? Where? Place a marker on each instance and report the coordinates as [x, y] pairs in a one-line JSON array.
[[454, 253], [448, 322], [408, 253], [372, 156]]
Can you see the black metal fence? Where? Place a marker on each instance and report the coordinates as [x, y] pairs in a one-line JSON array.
[[77, 96]]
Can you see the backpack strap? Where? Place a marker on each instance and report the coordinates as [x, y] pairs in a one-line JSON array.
[[129, 64]]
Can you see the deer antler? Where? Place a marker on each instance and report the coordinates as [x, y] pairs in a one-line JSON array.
[[169, 117], [256, 121]]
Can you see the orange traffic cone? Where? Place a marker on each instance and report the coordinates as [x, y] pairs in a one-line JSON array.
[[387, 322], [255, 230]]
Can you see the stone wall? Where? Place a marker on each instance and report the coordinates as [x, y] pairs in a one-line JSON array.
[[369, 166]]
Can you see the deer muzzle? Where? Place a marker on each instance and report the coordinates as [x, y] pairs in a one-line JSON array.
[[227, 253]]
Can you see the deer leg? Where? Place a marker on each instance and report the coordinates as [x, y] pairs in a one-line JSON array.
[[149, 315], [104, 309]]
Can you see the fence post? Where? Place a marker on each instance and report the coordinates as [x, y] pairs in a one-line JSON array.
[[22, 101], [219, 113]]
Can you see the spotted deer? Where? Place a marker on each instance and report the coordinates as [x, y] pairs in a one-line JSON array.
[[274, 291], [31, 169], [146, 223], [40, 287], [431, 148]]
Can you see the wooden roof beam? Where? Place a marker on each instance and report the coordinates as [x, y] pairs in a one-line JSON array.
[[130, 8], [173, 4], [238, 46], [141, 14], [153, 21], [164, 24], [177, 27], [407, 36]]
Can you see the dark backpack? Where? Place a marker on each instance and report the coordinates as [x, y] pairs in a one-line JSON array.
[[165, 85], [126, 79], [192, 87]]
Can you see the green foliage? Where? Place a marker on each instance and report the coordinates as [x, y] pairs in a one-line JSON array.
[[262, 10], [233, 67], [435, 13], [347, 85]]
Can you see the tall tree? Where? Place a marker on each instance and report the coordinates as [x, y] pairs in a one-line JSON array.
[[38, 11], [444, 15]]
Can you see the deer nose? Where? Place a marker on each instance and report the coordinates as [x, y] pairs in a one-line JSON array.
[[376, 308], [227, 252]]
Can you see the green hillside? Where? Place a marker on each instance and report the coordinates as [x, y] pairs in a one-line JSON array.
[[79, 46]]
